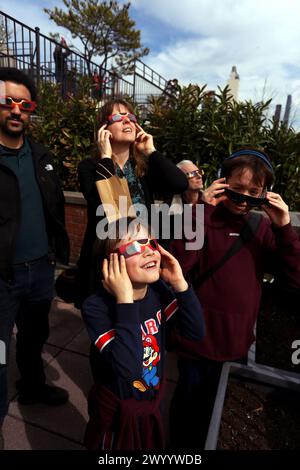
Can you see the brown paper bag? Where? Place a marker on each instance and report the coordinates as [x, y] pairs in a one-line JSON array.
[[115, 197]]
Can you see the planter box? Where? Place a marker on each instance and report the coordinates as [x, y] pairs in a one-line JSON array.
[[255, 409], [278, 326]]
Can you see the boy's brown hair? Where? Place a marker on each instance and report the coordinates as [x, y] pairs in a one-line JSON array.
[[263, 175]]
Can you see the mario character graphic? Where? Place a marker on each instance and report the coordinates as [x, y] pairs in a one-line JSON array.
[[150, 359]]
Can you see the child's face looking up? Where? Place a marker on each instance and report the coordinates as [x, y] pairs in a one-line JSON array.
[[241, 181], [142, 268]]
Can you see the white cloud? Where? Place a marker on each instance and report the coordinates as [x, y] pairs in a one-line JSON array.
[[260, 37]]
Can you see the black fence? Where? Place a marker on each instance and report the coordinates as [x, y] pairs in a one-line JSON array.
[[44, 59]]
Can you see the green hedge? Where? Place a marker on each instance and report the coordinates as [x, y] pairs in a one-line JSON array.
[[206, 128], [192, 124], [66, 127]]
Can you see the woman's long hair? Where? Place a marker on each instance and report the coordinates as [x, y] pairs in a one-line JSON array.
[[140, 162]]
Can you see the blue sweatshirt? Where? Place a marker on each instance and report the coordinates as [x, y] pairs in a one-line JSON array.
[[131, 338]]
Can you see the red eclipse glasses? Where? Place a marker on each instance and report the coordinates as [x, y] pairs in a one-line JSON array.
[[137, 246], [119, 117], [24, 105]]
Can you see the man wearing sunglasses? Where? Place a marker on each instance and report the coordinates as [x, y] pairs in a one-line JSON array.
[[195, 179], [31, 235], [195, 193]]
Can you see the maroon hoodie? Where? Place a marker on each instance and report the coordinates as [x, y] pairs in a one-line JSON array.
[[231, 296]]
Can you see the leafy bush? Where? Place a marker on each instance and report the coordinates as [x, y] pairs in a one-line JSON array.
[[191, 124], [66, 127], [206, 127]]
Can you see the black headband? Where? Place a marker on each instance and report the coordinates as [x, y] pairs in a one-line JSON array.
[[255, 153]]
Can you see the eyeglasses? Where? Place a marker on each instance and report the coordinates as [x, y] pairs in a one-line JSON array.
[[137, 246], [24, 105], [119, 117], [192, 174], [250, 200]]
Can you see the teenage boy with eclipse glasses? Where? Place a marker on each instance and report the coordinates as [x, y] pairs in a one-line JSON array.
[[227, 274]]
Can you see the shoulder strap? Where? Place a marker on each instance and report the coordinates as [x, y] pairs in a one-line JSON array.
[[248, 231]]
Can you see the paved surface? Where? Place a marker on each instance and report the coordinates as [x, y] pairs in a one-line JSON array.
[[66, 365], [40, 427]]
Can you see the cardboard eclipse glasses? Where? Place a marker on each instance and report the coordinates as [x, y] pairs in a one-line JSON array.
[[192, 174], [137, 246], [119, 117]]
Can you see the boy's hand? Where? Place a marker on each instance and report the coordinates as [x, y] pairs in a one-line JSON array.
[[103, 142], [143, 141], [214, 193], [171, 271], [279, 210], [116, 280]]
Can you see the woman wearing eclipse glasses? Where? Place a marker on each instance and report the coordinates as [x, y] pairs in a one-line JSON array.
[[227, 274], [126, 150]]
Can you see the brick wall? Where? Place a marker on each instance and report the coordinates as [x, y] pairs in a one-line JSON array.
[[76, 219]]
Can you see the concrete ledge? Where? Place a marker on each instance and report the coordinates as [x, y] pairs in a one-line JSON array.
[[73, 197], [295, 219]]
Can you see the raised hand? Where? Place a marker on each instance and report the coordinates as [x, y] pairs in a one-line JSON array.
[[278, 210], [214, 193], [103, 142], [143, 141], [171, 272], [116, 280]]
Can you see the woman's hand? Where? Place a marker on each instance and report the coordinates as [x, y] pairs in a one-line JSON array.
[[278, 210], [103, 142], [214, 193], [143, 141], [171, 272], [116, 280]]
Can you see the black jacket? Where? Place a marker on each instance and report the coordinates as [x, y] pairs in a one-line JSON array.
[[10, 210]]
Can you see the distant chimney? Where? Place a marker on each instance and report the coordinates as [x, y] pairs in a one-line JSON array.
[[277, 113], [287, 110], [234, 83]]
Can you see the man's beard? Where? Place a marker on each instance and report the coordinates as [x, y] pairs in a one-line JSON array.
[[12, 132]]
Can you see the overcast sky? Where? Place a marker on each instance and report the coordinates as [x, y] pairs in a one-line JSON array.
[[198, 41]]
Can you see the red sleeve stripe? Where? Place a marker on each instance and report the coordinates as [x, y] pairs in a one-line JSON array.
[[104, 339], [171, 309]]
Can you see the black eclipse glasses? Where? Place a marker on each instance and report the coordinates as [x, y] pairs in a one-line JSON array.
[[252, 201]]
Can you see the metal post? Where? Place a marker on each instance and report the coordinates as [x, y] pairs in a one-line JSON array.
[[134, 80], [38, 56]]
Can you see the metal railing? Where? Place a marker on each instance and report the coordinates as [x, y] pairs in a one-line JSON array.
[[44, 59]]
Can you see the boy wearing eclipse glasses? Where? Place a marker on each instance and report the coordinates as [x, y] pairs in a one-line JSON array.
[[227, 274], [144, 297]]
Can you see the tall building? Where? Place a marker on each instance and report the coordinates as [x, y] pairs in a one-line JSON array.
[[234, 83]]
